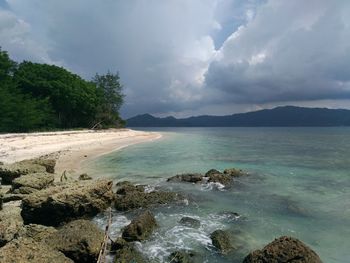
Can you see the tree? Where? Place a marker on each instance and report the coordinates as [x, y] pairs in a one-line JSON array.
[[111, 97]]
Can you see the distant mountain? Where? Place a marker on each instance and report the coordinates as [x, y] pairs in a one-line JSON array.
[[286, 116]]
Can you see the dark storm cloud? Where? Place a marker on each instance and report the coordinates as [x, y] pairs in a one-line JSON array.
[[198, 56]]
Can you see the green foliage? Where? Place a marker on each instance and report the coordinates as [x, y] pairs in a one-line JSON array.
[[110, 99], [39, 96]]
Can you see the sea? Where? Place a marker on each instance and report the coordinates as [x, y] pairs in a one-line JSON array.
[[298, 185]]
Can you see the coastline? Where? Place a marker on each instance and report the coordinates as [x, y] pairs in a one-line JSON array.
[[70, 148]]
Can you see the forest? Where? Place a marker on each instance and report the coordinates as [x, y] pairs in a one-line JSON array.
[[41, 97]]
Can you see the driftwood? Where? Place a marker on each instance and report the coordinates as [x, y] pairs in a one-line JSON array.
[[103, 250]]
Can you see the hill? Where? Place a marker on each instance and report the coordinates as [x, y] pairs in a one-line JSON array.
[[286, 116]]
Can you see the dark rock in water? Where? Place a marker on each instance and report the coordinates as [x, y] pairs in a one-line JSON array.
[[9, 172], [284, 250], [235, 172], [230, 215], [128, 254], [27, 250], [79, 240], [221, 240], [84, 176], [130, 197], [10, 222], [65, 202], [190, 222], [223, 179], [117, 244], [211, 172], [32, 182], [189, 178], [140, 228], [185, 256]]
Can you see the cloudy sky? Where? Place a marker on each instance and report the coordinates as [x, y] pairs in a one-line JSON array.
[[191, 57]]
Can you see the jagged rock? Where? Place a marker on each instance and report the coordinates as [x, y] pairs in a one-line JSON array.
[[62, 203], [127, 254], [234, 172], [223, 179], [32, 182], [221, 240], [140, 228], [9, 172], [10, 222], [84, 176], [79, 240], [26, 250], [184, 256], [190, 222], [284, 250], [12, 197], [49, 164], [130, 197], [36, 232], [188, 177]]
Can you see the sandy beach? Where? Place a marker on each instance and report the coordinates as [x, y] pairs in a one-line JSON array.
[[71, 148]]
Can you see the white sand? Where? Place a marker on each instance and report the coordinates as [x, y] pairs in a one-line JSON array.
[[74, 147]]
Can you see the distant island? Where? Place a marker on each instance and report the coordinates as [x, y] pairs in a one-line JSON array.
[[286, 116]]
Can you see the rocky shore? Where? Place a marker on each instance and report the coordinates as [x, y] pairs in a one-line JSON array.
[[48, 220]]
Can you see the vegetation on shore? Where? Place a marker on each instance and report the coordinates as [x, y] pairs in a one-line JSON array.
[[37, 96]]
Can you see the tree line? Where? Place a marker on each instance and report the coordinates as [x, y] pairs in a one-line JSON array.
[[36, 97]]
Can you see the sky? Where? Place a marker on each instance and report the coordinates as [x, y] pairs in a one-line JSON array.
[[193, 57]]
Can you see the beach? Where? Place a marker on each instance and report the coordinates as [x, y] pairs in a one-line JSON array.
[[70, 148]]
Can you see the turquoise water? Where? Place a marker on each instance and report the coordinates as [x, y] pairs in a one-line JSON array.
[[299, 185]]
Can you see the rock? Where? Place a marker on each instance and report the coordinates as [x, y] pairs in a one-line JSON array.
[[223, 179], [85, 177], [188, 178], [140, 228], [129, 254], [10, 222], [117, 244], [62, 203], [26, 250], [36, 232], [79, 240], [130, 197], [49, 164], [12, 197], [212, 171], [1, 201], [8, 172], [184, 256], [221, 240], [190, 222], [235, 172], [35, 181], [283, 250]]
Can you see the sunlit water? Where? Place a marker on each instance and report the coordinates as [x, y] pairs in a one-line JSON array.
[[298, 186]]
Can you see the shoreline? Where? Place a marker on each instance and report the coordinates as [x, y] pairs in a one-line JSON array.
[[70, 148]]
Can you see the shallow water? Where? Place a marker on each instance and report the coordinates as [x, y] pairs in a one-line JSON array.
[[298, 185]]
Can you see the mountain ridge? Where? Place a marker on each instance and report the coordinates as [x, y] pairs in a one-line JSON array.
[[283, 116]]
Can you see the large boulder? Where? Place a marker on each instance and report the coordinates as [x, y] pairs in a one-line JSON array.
[[48, 163], [284, 250], [140, 228], [221, 240], [80, 240], [130, 197], [38, 233], [128, 254], [36, 181], [10, 222], [27, 250], [62, 203], [9, 172], [188, 178]]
